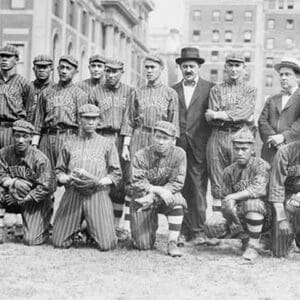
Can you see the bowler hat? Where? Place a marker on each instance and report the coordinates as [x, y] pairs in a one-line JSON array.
[[288, 63], [190, 53]]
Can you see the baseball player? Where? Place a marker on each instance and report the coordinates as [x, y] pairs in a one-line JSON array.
[[87, 166], [14, 90], [27, 184], [284, 194], [245, 213], [42, 68], [231, 106], [158, 174], [56, 117], [96, 68], [114, 97]]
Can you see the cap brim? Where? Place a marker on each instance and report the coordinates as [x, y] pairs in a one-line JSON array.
[[164, 131], [115, 67], [97, 60], [236, 60], [70, 62], [21, 129], [292, 66], [89, 115], [43, 63], [199, 60]]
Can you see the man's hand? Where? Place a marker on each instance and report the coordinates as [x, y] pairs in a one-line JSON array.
[[228, 203], [164, 194], [105, 181], [22, 187], [209, 115], [9, 199], [275, 140], [284, 227], [125, 153], [145, 202], [24, 200], [64, 179]]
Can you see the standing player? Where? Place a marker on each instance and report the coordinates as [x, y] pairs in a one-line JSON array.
[[14, 90], [158, 174], [97, 78], [87, 166], [57, 110], [42, 68], [113, 98], [27, 182]]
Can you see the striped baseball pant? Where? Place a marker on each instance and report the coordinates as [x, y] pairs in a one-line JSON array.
[[219, 154], [36, 220], [95, 209], [145, 223], [218, 226], [5, 136]]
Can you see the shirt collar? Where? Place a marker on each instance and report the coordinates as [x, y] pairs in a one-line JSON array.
[[11, 73], [155, 84], [192, 84], [40, 84], [113, 87]]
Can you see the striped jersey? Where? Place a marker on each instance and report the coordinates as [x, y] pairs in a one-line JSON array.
[[90, 86], [57, 107], [149, 104], [36, 87], [34, 167], [237, 99], [112, 101], [13, 96]]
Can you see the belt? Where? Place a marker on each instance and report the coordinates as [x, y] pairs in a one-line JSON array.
[[228, 129], [147, 128], [6, 124], [108, 131], [58, 131]]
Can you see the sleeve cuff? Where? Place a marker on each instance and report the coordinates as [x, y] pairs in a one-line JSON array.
[[280, 212]]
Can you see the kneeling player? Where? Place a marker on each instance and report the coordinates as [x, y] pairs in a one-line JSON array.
[[244, 208], [158, 174], [27, 182]]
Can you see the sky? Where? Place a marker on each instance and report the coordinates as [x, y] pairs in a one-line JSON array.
[[168, 13]]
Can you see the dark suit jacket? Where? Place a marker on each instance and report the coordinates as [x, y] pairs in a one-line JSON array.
[[274, 120], [194, 130]]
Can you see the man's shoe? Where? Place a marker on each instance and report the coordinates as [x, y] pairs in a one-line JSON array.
[[122, 234], [212, 242], [181, 240], [173, 250], [250, 254]]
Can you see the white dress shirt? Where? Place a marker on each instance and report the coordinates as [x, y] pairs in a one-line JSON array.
[[188, 90], [285, 98]]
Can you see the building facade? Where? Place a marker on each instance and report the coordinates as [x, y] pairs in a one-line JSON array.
[[115, 29], [265, 31]]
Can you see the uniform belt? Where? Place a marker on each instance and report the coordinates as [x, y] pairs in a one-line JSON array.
[[228, 129], [108, 131], [61, 130], [6, 124], [147, 128]]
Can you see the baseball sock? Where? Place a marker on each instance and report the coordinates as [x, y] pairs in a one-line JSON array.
[[118, 211], [175, 218], [127, 213], [2, 213], [254, 223]]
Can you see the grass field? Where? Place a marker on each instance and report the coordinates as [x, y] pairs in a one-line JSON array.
[[43, 272]]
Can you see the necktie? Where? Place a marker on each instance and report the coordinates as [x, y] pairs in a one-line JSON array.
[[189, 83], [287, 92]]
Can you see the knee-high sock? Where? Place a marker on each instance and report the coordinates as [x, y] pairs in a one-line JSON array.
[[254, 222], [175, 218], [118, 211], [127, 213], [2, 213]]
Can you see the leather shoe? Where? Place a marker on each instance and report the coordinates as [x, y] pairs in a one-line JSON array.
[[173, 250]]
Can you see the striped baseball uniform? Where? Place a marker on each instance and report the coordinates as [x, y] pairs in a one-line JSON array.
[[112, 102], [237, 99], [284, 182], [34, 167], [97, 155], [151, 168], [149, 104], [254, 177], [13, 96], [57, 117], [36, 87], [90, 86]]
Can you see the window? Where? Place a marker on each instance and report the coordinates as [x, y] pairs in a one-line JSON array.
[[272, 4], [71, 13], [289, 43], [248, 15], [197, 15], [229, 16], [93, 34], [247, 36], [216, 16], [228, 36], [269, 62], [17, 4], [289, 24], [247, 56], [214, 55], [290, 4], [213, 75], [269, 81], [271, 24], [57, 8], [215, 36], [280, 4], [84, 19], [270, 43], [196, 35]]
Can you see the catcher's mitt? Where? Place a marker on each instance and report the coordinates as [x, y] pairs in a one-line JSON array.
[[84, 182]]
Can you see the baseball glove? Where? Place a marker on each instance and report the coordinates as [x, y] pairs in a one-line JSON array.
[[84, 182]]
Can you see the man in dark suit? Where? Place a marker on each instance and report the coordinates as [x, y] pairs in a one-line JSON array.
[[279, 122], [193, 94]]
